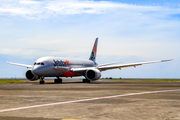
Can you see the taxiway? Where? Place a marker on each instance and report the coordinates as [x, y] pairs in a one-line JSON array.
[[100, 100]]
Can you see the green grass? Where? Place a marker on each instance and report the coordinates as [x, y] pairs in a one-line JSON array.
[[2, 81], [155, 80]]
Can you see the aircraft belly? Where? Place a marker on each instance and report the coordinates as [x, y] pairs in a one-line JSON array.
[[53, 72], [59, 71]]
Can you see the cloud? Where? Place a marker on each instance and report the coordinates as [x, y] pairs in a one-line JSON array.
[[15, 11], [28, 2], [79, 7], [15, 51], [127, 26], [38, 9]]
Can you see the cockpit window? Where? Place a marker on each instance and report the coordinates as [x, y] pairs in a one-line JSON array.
[[39, 63]]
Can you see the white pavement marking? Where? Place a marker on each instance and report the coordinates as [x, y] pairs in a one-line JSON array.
[[82, 100]]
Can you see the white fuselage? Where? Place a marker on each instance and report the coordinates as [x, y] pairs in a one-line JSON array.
[[59, 67]]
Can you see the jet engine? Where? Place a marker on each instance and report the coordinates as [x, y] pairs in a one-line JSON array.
[[93, 74], [31, 76]]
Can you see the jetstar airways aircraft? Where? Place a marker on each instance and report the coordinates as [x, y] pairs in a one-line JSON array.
[[63, 67]]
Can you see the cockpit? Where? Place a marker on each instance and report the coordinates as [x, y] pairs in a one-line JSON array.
[[39, 63]]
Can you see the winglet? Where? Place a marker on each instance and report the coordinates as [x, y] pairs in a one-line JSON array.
[[94, 51], [166, 60]]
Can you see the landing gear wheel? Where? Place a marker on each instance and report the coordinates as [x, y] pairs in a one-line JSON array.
[[41, 80], [57, 80], [86, 81]]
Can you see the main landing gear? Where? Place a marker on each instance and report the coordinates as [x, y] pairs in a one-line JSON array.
[[58, 80], [86, 81], [41, 80]]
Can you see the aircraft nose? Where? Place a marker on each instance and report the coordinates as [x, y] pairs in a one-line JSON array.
[[37, 71]]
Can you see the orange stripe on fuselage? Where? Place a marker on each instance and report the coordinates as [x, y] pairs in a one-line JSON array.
[[58, 69], [70, 74]]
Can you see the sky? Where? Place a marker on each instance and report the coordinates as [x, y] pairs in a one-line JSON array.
[[128, 30]]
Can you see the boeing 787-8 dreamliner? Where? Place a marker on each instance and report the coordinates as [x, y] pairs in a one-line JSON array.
[[65, 67]]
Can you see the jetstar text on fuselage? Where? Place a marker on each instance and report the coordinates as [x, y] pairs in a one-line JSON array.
[[61, 63]]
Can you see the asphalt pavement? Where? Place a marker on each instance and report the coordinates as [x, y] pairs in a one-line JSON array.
[[99, 100]]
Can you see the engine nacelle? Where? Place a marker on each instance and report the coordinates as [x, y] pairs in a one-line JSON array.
[[31, 76], [93, 74]]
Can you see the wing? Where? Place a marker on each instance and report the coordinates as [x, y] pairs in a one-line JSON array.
[[109, 64], [23, 65], [106, 67], [103, 68], [82, 69], [87, 68]]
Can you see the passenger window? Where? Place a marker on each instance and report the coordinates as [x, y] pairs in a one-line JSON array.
[[42, 63]]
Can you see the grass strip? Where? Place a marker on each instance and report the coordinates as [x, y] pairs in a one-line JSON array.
[[154, 80], [2, 81]]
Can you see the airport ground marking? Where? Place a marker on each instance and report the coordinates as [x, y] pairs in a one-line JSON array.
[[70, 119], [143, 99], [83, 100], [24, 96]]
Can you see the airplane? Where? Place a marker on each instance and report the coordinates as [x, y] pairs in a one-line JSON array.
[[65, 67]]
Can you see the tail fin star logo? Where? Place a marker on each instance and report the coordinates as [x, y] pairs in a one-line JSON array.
[[94, 51], [95, 48], [93, 54]]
